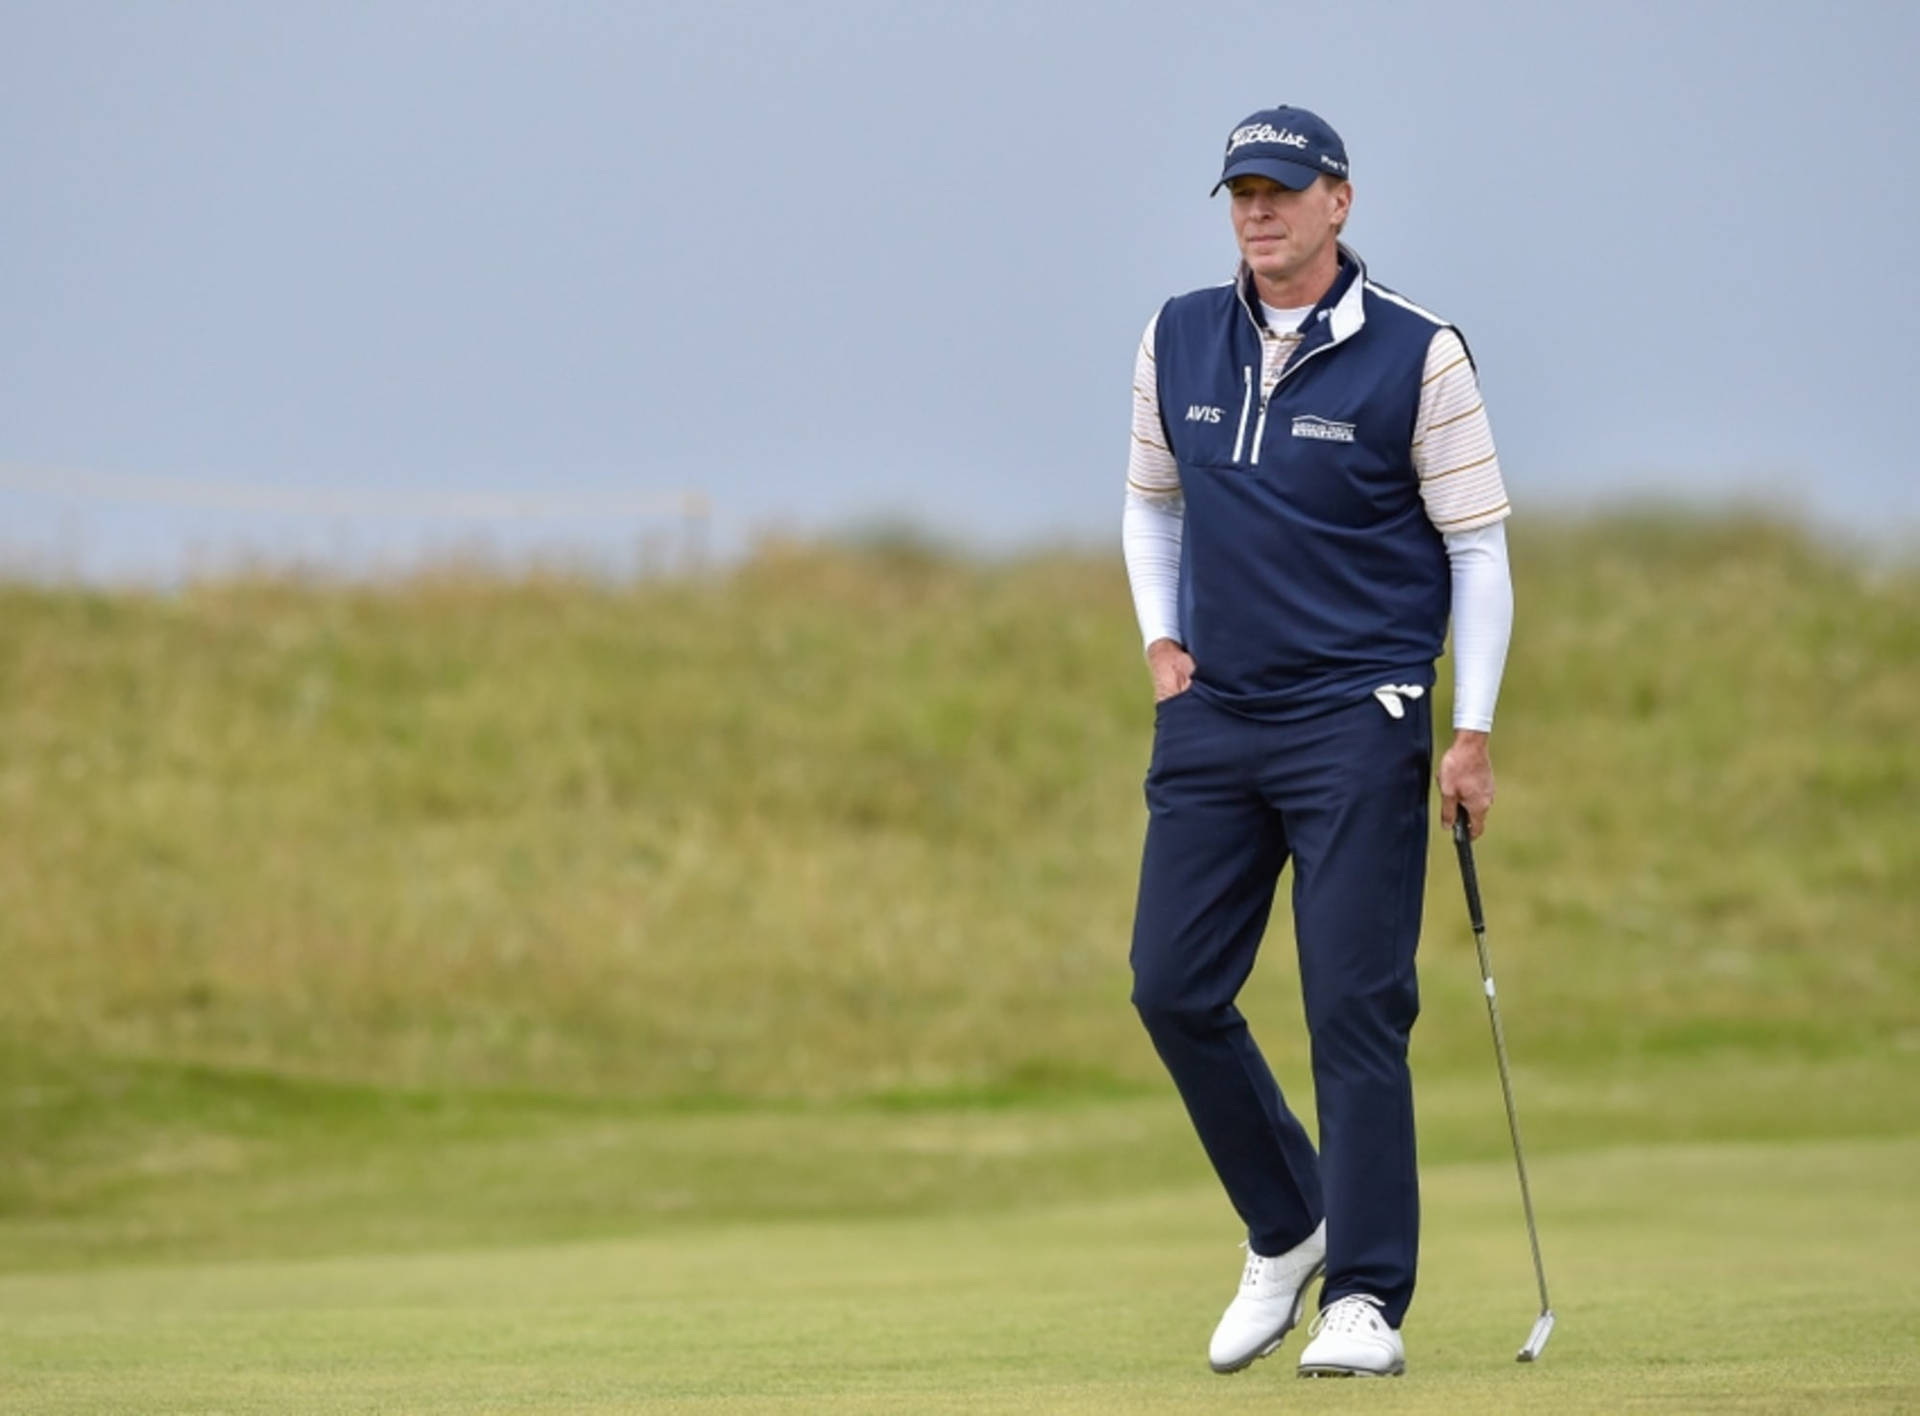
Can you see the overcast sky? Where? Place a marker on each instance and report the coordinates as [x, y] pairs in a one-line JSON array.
[[829, 263]]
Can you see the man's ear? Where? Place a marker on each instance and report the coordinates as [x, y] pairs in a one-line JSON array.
[[1342, 202]]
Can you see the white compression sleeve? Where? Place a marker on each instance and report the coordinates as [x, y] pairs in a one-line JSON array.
[[1151, 531], [1482, 622]]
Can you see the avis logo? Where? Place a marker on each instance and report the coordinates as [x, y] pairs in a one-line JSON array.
[[1201, 413]]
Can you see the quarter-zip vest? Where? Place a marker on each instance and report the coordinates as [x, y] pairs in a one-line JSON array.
[[1310, 574]]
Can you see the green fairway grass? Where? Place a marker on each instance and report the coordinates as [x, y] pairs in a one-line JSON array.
[[1708, 1278], [124, 1164], [526, 993]]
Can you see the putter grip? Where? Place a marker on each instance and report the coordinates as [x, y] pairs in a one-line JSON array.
[[1469, 877]]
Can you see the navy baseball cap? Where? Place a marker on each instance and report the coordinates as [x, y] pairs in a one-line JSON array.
[[1290, 145]]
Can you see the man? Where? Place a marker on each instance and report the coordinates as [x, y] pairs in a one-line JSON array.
[[1312, 490]]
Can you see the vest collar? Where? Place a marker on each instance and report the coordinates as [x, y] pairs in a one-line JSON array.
[[1342, 309]]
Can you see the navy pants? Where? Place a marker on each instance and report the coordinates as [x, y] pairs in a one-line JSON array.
[[1230, 801]]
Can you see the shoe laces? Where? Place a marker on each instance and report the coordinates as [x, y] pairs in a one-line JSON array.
[[1255, 1271], [1357, 1312]]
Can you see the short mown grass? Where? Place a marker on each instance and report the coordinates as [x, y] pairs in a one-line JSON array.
[[478, 992], [1728, 1278]]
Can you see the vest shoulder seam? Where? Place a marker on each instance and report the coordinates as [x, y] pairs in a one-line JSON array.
[[1395, 297]]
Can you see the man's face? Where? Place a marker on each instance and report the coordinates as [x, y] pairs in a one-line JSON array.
[[1283, 233]]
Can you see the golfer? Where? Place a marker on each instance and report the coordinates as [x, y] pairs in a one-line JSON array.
[[1312, 491]]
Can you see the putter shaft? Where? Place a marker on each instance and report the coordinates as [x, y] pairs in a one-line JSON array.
[[1470, 879]]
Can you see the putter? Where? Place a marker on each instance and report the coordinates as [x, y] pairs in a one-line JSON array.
[[1463, 843]]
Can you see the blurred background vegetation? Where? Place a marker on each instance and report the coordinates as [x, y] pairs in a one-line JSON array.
[[484, 904]]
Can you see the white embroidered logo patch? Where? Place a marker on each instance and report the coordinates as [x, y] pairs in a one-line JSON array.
[[1322, 429], [1201, 413]]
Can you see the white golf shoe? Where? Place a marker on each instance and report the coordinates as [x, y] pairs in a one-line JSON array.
[[1273, 1292], [1350, 1338]]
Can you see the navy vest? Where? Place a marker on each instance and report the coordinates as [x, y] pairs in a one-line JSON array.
[[1309, 572]]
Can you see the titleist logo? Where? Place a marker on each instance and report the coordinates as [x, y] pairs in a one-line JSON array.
[[1264, 133]]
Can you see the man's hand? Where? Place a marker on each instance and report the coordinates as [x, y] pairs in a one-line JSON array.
[[1172, 669], [1466, 779]]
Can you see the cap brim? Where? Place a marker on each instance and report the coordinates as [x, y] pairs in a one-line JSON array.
[[1294, 176]]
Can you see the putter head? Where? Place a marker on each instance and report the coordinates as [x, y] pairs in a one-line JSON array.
[[1537, 1339]]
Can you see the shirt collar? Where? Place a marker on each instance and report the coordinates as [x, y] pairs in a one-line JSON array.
[[1342, 308]]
